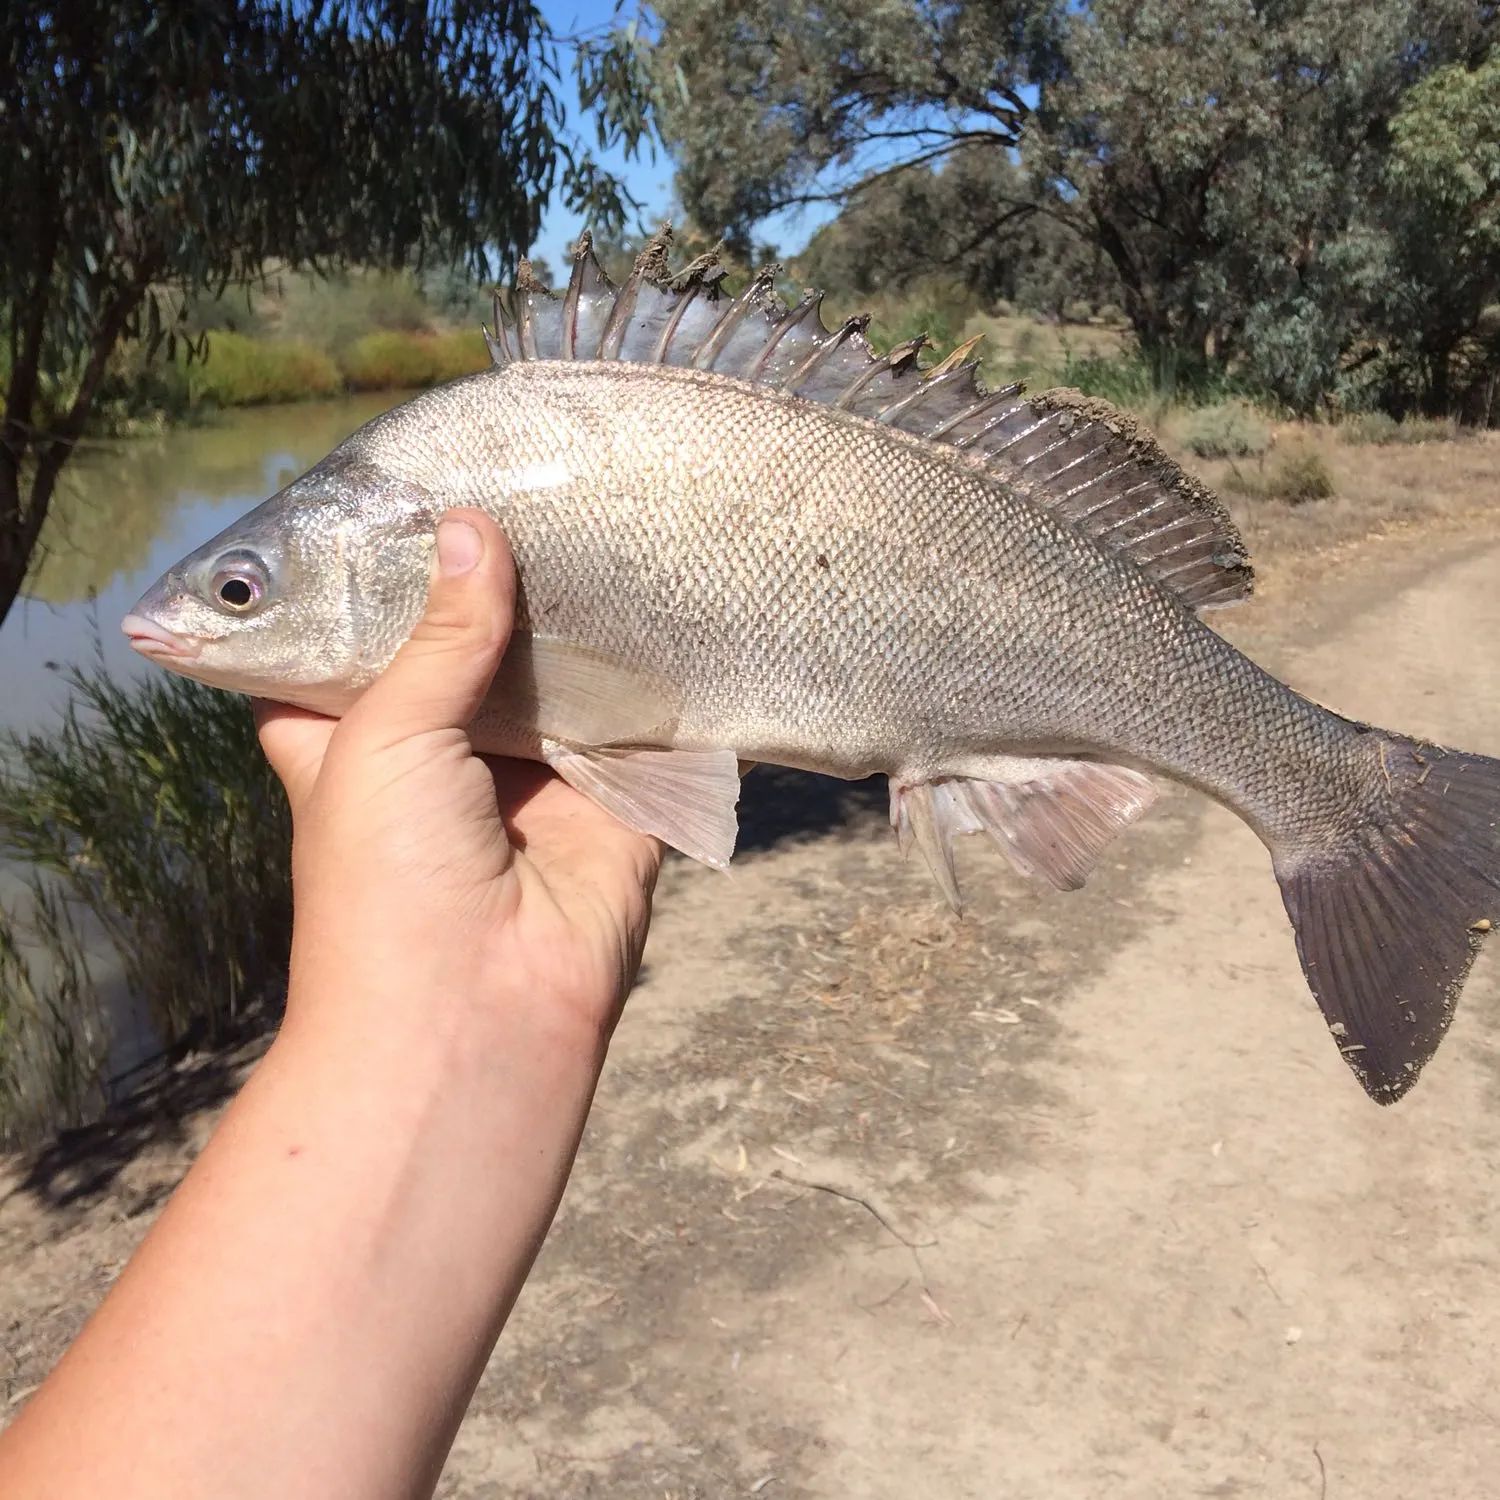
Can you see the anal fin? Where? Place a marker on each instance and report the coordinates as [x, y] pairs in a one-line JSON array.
[[1051, 817], [686, 798]]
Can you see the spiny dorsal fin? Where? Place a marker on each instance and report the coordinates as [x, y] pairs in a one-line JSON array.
[[1086, 460]]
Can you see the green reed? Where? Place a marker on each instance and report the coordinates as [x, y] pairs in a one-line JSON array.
[[150, 809]]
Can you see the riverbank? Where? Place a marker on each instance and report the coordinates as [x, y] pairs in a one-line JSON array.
[[294, 338]]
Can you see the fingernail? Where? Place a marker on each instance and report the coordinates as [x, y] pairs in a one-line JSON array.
[[459, 548]]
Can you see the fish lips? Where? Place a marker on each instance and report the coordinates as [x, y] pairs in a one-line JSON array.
[[156, 642]]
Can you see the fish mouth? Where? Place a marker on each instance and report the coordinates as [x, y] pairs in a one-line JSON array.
[[156, 641]]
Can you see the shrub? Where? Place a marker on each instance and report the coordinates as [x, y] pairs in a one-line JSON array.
[[1299, 475], [1232, 429], [154, 812], [241, 371], [393, 361]]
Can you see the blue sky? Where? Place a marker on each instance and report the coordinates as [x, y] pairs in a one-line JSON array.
[[649, 181]]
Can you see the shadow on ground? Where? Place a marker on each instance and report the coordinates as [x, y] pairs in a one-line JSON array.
[[80, 1165], [778, 805]]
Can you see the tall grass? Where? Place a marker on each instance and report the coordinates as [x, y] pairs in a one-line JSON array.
[[53, 1039], [1132, 379], [151, 809]]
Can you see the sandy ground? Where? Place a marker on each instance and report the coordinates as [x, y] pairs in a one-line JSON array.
[[1070, 1198]]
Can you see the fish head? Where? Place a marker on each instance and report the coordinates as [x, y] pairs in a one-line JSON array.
[[306, 598]]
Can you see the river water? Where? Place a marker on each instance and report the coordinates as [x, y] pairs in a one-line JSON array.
[[127, 510]]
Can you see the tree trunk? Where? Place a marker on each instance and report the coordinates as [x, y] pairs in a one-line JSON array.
[[19, 530]]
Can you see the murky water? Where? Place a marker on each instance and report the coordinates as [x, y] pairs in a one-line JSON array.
[[125, 511]]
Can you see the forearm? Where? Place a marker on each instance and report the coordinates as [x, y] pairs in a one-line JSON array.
[[313, 1310]]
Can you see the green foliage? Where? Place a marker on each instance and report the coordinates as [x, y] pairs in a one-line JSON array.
[[1298, 475], [1446, 152], [153, 810], [766, 103], [1139, 381], [331, 312], [1232, 429], [240, 371], [406, 361], [1444, 186], [1218, 169], [972, 226]]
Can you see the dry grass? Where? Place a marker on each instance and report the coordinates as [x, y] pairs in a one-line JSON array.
[[1377, 489]]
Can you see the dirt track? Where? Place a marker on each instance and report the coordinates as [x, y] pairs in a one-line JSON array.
[[1073, 1198]]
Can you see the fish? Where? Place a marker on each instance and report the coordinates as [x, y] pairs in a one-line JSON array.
[[744, 537]]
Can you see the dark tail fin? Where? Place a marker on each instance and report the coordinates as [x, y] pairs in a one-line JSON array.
[[1388, 923]]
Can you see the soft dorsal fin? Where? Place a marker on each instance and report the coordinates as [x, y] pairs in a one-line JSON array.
[[1083, 458]]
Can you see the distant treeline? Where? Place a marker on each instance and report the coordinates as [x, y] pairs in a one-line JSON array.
[[1305, 192]]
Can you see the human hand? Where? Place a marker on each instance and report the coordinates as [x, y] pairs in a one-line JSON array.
[[313, 1310], [423, 870]]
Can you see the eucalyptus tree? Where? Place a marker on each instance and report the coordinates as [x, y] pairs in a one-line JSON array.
[[1226, 156], [1229, 155], [1445, 182], [152, 151]]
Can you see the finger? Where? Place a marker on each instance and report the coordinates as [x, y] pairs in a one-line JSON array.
[[440, 676], [294, 741]]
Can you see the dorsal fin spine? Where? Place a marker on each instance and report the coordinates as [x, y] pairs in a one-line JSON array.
[[989, 399], [808, 307], [674, 322], [740, 308], [615, 328], [570, 298], [525, 326], [899, 358], [932, 382], [849, 328]]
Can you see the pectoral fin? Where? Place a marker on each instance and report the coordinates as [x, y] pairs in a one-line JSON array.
[[575, 693], [686, 798]]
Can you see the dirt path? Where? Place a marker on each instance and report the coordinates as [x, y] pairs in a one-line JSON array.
[[1069, 1199]]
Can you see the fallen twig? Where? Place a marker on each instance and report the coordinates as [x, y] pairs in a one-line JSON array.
[[879, 1215]]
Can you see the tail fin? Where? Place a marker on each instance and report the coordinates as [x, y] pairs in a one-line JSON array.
[[1388, 923]]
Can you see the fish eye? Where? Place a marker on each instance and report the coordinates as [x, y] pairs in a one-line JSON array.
[[239, 584]]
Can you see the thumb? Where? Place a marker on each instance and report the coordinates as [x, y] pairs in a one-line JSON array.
[[440, 676]]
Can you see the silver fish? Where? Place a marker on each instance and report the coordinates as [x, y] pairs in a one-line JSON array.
[[744, 537]]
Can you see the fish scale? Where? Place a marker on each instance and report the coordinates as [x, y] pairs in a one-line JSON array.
[[742, 536]]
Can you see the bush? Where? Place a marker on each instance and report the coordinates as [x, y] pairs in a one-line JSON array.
[[394, 361], [1232, 429], [152, 810], [1299, 475], [241, 371]]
